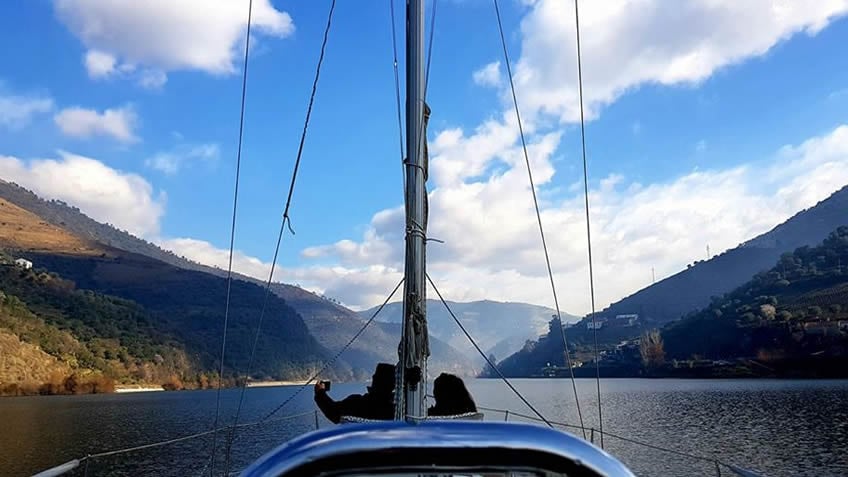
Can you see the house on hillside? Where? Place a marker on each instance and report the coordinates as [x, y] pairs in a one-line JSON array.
[[23, 263], [629, 319], [820, 327]]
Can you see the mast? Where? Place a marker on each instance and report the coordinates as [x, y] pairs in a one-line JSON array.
[[414, 348]]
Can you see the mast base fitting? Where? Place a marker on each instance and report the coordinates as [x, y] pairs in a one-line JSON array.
[[412, 376]]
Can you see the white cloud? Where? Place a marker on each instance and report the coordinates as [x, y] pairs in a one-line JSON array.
[[489, 75], [152, 79], [626, 44], [492, 248], [204, 252], [17, 111], [123, 199], [99, 64], [356, 288], [84, 123], [480, 202], [171, 162], [154, 37]]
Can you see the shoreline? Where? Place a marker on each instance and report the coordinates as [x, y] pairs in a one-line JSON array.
[[137, 388], [270, 384]]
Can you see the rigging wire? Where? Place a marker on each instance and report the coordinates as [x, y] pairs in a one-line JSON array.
[[397, 85], [286, 218], [285, 221], [539, 216], [90, 457], [232, 235], [338, 354], [615, 436], [397, 75], [588, 228], [493, 365]]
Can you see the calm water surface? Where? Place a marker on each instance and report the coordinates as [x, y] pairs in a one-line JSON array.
[[780, 428]]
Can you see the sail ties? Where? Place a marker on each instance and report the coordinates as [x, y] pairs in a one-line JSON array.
[[418, 347]]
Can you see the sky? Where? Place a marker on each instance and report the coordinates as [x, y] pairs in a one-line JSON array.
[[707, 122]]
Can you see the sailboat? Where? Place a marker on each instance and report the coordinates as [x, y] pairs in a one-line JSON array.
[[413, 443]]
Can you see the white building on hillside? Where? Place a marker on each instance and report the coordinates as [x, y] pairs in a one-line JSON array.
[[23, 263]]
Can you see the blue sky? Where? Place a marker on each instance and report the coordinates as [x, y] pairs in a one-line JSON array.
[[130, 111]]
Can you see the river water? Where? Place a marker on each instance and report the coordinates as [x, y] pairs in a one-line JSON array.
[[779, 428]]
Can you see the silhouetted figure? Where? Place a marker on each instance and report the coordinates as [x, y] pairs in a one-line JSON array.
[[377, 403], [452, 397]]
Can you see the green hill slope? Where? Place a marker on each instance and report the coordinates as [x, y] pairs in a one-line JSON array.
[[795, 310], [86, 334]]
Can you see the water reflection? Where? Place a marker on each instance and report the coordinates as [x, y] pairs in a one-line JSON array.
[[776, 427]]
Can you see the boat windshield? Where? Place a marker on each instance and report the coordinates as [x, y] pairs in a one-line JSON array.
[[456, 473]]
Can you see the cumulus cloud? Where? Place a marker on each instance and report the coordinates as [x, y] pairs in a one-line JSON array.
[[108, 195], [480, 201], [152, 79], [17, 111], [356, 288], [150, 38], [489, 75], [204, 252], [171, 162], [99, 64], [626, 44], [492, 248], [117, 123]]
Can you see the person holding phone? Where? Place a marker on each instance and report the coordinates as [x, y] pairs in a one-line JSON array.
[[377, 403]]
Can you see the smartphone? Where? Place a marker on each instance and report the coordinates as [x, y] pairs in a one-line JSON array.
[[326, 385]]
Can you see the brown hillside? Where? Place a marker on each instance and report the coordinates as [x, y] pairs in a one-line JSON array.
[[23, 230], [24, 363]]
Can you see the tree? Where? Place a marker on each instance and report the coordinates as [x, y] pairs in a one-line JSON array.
[[767, 311], [490, 369], [651, 349]]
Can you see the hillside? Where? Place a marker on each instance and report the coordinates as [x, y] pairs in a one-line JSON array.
[[74, 223], [691, 289], [330, 324], [24, 367], [187, 305], [796, 309], [790, 320], [190, 306], [27, 231], [52, 331], [499, 328], [334, 325]]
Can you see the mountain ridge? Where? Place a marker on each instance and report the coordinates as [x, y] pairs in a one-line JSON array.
[[332, 324], [499, 328], [692, 288]]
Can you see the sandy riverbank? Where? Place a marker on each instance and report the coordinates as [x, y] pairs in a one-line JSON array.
[[264, 384], [137, 388]]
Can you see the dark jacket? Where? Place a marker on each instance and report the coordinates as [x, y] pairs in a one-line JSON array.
[[452, 397], [368, 406]]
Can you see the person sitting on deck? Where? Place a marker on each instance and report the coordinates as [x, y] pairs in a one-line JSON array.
[[452, 398], [377, 403]]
